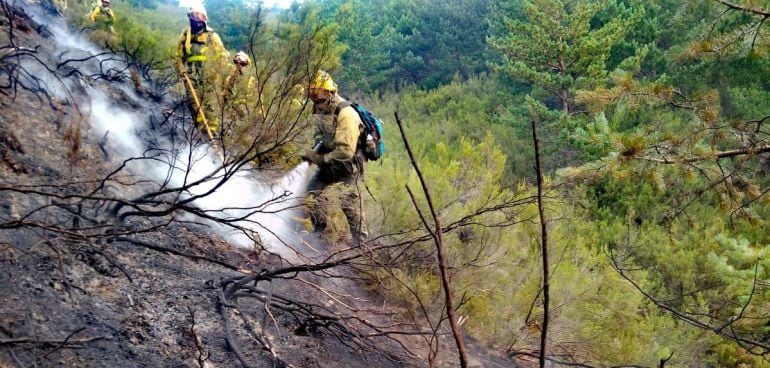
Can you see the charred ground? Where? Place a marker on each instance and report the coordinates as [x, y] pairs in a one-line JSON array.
[[83, 288]]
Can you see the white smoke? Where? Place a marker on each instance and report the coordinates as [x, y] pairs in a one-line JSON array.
[[117, 123], [266, 207]]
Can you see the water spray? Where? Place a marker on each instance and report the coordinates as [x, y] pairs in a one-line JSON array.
[[265, 207]]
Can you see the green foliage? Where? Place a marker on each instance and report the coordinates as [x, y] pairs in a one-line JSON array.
[[147, 35], [557, 48], [233, 21], [694, 229], [678, 225], [366, 57], [495, 267], [470, 109], [153, 4], [747, 103], [422, 42], [268, 108], [144, 36], [689, 261]]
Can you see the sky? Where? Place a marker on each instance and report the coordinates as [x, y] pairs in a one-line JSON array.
[[267, 3]]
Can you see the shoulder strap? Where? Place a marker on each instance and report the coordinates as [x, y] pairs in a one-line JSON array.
[[341, 106], [187, 34], [337, 110], [207, 36]]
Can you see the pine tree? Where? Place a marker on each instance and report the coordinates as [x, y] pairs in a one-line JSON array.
[[557, 47]]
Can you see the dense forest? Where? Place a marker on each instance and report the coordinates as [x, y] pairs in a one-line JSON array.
[[629, 230]]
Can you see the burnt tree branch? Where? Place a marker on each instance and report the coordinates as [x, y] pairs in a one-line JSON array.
[[436, 235], [543, 248]]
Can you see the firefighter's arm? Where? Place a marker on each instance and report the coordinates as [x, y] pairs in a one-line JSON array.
[[230, 81], [223, 56], [318, 135], [93, 14], [345, 136]]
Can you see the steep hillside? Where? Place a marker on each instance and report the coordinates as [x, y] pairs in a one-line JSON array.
[[97, 272]]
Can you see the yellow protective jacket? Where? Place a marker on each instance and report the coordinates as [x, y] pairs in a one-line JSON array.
[[102, 15], [230, 92], [196, 48], [340, 132]]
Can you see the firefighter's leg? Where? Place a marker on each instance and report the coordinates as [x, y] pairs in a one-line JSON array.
[[316, 204], [353, 207], [194, 113], [209, 111]]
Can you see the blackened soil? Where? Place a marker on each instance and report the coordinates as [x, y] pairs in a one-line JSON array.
[[73, 301]]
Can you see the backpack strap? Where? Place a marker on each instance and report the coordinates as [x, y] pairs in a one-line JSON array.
[[187, 34], [341, 106]]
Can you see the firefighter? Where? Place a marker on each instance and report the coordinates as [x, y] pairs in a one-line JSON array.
[[102, 16], [240, 62], [200, 58], [340, 162]]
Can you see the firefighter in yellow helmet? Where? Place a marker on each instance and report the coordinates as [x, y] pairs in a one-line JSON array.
[[240, 62], [337, 156], [102, 16], [238, 95], [201, 57]]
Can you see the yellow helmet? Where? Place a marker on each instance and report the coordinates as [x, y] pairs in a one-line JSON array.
[[322, 80]]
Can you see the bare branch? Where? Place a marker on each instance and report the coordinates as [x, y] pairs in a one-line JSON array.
[[751, 10], [436, 234], [714, 156], [543, 248]]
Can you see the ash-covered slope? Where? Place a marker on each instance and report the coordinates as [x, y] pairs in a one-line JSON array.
[[95, 272]]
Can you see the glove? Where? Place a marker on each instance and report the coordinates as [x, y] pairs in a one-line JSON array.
[[313, 157]]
